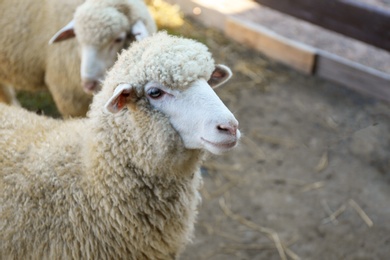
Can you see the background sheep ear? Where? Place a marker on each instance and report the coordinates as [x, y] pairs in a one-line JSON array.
[[67, 32], [220, 75], [123, 8], [124, 94], [139, 30]]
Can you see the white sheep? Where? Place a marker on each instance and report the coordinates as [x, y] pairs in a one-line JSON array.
[[72, 69], [122, 183]]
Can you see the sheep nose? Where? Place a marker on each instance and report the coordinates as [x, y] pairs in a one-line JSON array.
[[91, 86], [232, 128]]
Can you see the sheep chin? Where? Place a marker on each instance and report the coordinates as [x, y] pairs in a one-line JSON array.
[[219, 147]]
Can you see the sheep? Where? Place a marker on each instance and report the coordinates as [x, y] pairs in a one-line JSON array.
[[122, 183], [36, 53]]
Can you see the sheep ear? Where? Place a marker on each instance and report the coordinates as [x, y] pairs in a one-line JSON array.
[[123, 95], [220, 75], [67, 32], [139, 30]]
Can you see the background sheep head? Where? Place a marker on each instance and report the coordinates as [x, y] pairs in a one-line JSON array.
[[175, 77], [102, 30]]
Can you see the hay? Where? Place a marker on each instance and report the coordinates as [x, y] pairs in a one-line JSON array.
[[246, 69], [313, 186], [323, 163], [269, 232], [333, 215], [361, 213]]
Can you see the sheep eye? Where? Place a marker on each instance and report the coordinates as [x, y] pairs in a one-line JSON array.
[[155, 93], [119, 40]]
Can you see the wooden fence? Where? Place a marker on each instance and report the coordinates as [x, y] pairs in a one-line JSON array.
[[351, 18], [354, 19]]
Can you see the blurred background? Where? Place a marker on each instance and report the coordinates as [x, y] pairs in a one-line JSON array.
[[311, 90]]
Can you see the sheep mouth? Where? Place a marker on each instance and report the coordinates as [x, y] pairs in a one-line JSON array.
[[221, 145]]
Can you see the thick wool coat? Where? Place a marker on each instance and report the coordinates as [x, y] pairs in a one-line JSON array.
[[111, 186]]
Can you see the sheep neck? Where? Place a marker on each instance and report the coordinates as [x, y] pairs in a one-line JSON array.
[[143, 139]]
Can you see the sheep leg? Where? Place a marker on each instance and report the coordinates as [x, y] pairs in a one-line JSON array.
[[8, 96]]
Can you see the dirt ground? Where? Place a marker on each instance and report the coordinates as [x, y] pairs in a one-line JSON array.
[[312, 173], [310, 179]]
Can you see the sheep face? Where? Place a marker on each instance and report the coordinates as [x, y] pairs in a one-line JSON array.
[[196, 112], [95, 60], [101, 34]]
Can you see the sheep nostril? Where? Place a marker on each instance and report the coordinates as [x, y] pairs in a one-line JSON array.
[[90, 86], [227, 128]]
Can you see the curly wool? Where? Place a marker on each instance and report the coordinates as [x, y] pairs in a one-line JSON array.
[[78, 190], [113, 16], [99, 25], [173, 61]]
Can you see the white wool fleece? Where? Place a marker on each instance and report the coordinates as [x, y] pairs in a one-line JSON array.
[[153, 57], [110, 19], [113, 15]]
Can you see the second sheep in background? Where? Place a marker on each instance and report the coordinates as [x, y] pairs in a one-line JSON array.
[[71, 69]]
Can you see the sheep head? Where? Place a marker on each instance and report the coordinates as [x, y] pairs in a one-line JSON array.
[[102, 30], [196, 112]]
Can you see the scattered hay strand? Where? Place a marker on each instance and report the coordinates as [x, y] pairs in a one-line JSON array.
[[323, 163], [330, 122], [245, 69], [313, 186], [242, 83], [266, 246], [291, 254], [361, 213], [271, 233], [333, 215]]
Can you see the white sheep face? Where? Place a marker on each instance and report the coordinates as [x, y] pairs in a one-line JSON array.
[[95, 60], [197, 113], [98, 57]]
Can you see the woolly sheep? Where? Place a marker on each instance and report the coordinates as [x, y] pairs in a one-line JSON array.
[[122, 183], [72, 69]]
